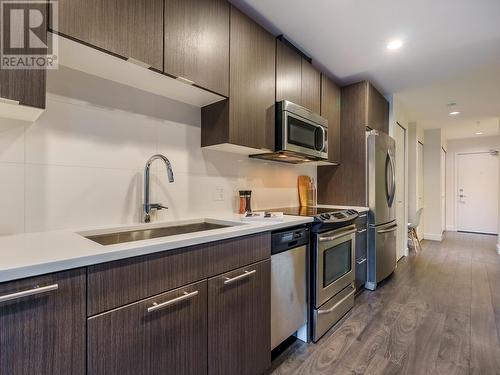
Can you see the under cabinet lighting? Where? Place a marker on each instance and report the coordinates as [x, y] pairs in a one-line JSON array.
[[454, 113]]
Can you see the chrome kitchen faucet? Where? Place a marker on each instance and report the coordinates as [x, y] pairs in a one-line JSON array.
[[170, 173]]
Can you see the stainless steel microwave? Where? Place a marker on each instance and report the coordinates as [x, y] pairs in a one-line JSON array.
[[300, 131]]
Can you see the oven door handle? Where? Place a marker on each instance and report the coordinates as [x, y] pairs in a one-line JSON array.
[[331, 309], [332, 238]]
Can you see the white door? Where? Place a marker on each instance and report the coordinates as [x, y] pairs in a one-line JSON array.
[[443, 190], [477, 195], [420, 187], [401, 235]]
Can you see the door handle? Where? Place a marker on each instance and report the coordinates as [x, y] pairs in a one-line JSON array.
[[361, 261], [159, 306], [31, 292], [230, 280]]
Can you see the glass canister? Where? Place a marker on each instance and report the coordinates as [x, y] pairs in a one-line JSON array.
[[245, 201]]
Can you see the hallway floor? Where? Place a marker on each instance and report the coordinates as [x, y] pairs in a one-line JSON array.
[[438, 314]]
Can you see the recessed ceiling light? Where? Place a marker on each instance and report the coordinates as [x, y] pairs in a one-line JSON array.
[[479, 133], [454, 113], [395, 44]]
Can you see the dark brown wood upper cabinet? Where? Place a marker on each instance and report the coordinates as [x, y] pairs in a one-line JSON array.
[[165, 334], [197, 42], [296, 79], [362, 106], [288, 74], [127, 28], [330, 109], [247, 117], [25, 86], [239, 324], [311, 87], [44, 333], [378, 110]]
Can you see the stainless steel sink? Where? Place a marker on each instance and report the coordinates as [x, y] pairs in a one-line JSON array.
[[146, 234]]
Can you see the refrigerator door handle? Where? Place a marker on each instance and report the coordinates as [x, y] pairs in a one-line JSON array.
[[392, 193]]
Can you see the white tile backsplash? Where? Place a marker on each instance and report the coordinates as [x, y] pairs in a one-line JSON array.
[[72, 133], [59, 197], [81, 163], [11, 198], [12, 140]]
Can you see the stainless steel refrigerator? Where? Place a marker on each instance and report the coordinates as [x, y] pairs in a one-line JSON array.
[[381, 190]]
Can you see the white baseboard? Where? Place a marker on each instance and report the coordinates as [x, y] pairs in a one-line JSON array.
[[433, 237], [451, 228]]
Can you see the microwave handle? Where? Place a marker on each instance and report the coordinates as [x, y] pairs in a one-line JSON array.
[[323, 138]]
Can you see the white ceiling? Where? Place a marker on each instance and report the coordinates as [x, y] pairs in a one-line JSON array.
[[451, 51]]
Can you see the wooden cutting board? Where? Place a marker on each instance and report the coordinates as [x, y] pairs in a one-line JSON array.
[[303, 183]]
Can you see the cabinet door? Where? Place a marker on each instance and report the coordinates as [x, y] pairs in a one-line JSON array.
[[197, 42], [288, 74], [25, 86], [252, 83], [311, 87], [166, 334], [378, 110], [127, 28], [239, 321], [43, 332], [330, 109]]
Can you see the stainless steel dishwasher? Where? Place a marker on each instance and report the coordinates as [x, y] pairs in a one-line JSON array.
[[288, 283]]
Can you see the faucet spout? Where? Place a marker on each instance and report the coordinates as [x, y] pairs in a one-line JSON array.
[[147, 172]]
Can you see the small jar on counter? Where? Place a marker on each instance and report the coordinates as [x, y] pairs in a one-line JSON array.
[[245, 201]]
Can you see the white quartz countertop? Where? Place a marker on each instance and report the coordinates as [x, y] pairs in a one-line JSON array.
[[357, 208], [32, 254]]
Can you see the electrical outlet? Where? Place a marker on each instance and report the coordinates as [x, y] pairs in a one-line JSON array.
[[219, 194]]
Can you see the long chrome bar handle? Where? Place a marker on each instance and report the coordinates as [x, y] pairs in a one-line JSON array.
[[331, 309], [27, 293], [184, 297], [339, 233], [244, 275]]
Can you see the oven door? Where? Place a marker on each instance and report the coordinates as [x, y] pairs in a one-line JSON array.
[[334, 262], [304, 136]]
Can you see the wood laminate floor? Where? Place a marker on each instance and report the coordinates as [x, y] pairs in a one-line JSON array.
[[438, 314]]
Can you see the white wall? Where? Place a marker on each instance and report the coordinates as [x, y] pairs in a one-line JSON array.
[[399, 115], [415, 135], [454, 147], [432, 185], [81, 164]]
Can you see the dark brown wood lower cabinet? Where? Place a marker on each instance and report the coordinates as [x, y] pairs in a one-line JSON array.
[[44, 334], [170, 340], [239, 323]]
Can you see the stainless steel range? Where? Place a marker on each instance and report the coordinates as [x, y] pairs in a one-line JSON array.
[[333, 244]]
